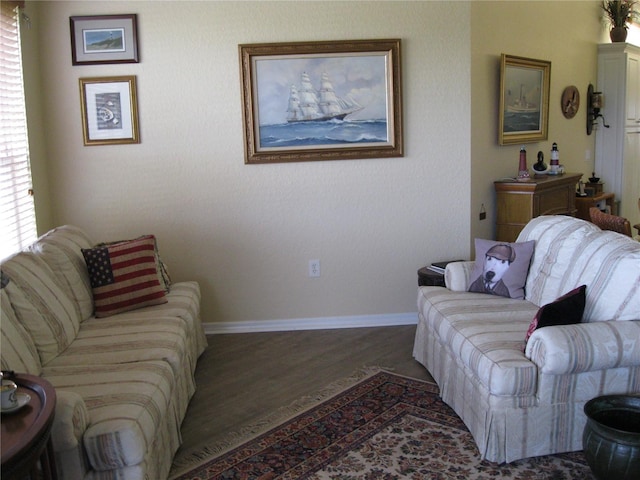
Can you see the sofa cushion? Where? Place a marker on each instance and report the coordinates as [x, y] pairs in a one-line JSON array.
[[17, 349], [124, 276], [61, 249], [42, 305], [571, 252], [501, 268], [484, 333], [183, 301], [111, 340], [126, 404], [566, 310]]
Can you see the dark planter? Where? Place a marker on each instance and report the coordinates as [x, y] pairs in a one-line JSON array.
[[618, 34], [611, 438]]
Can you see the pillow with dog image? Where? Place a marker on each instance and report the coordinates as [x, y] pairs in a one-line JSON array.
[[501, 268]]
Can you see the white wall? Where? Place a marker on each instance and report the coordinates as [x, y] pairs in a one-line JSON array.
[[246, 232]]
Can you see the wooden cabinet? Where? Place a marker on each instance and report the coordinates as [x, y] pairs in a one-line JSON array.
[[519, 202]]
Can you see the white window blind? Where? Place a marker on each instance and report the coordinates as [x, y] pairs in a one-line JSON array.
[[17, 211]]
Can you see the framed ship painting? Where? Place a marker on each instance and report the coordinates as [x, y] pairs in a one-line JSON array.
[[332, 100], [524, 99]]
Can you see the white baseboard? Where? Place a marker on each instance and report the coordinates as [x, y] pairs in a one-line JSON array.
[[321, 323]]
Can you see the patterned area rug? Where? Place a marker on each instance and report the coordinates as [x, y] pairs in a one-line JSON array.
[[384, 427]]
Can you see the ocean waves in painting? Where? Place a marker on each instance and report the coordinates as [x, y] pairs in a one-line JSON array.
[[333, 132], [521, 121]]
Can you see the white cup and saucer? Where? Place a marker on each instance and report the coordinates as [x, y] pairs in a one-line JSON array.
[[11, 399]]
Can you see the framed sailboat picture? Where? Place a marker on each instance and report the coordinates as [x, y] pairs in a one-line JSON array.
[[332, 100], [524, 99]]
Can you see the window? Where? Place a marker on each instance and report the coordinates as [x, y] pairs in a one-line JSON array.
[[17, 210]]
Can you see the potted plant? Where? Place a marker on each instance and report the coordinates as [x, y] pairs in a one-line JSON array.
[[619, 13]]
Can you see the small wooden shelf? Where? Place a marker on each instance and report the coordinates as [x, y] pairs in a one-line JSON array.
[[583, 204]]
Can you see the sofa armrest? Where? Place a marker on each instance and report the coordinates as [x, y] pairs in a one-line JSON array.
[[69, 424], [70, 421], [457, 274], [584, 347]]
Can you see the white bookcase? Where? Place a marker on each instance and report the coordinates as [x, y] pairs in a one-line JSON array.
[[617, 159]]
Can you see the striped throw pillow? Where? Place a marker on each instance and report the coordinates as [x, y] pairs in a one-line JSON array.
[[60, 249], [41, 303], [124, 276], [17, 352]]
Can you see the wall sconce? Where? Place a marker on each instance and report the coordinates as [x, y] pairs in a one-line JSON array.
[[594, 104]]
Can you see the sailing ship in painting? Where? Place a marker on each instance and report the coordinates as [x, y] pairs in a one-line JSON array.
[[522, 114], [521, 105], [306, 104], [319, 117]]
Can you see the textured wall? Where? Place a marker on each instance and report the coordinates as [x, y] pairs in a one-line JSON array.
[[246, 232]]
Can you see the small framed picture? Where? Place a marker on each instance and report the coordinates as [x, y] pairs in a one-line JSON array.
[[104, 39], [109, 110], [524, 99]]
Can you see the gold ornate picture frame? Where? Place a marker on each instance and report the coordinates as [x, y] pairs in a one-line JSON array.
[[331, 100], [524, 100], [109, 109]]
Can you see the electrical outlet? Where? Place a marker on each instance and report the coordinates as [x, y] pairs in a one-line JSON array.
[[314, 268]]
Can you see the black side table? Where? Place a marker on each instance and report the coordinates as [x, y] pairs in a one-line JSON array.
[[429, 278]]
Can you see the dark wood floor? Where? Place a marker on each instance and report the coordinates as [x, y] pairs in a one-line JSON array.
[[243, 378]]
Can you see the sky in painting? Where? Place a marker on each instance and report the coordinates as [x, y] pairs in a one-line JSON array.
[[361, 78], [523, 84]]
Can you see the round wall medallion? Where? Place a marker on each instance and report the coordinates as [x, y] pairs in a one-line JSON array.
[[570, 101]]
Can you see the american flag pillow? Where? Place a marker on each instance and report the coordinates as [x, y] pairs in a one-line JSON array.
[[124, 276]]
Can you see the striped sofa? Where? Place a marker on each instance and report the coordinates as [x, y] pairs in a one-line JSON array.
[[517, 403], [123, 382]]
